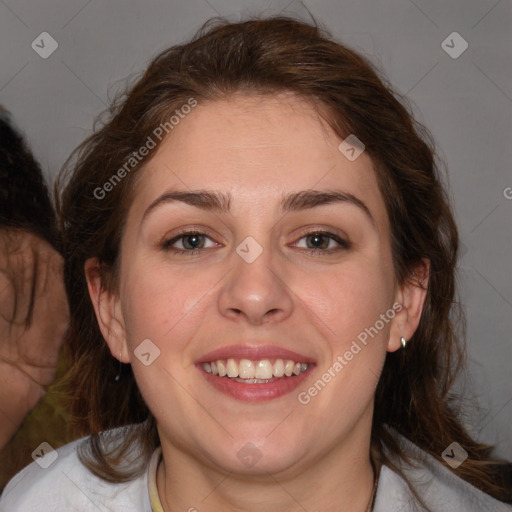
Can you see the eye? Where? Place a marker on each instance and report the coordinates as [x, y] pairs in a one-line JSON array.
[[191, 241], [320, 242]]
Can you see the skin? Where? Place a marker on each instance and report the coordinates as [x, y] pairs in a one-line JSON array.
[[314, 456], [33, 319]]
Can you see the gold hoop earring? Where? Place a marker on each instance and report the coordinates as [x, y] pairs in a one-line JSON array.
[[403, 342]]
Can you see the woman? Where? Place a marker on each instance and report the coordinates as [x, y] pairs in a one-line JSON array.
[[260, 237]]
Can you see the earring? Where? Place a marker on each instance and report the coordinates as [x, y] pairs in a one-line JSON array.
[[118, 376], [403, 342]]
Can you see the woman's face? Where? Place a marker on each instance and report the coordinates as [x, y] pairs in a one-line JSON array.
[[258, 286]]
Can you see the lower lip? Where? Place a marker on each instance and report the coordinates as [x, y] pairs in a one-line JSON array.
[[256, 392]]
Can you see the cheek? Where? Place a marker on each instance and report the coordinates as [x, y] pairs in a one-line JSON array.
[[154, 302], [348, 300], [347, 306], [169, 307]]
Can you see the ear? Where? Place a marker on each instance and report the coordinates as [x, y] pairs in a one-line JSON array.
[[107, 306], [410, 299]]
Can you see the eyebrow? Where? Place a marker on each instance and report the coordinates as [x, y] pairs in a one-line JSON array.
[[219, 202]]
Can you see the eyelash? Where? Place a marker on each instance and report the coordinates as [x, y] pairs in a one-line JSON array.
[[343, 244]]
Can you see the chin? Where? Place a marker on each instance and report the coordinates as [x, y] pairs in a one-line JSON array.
[[259, 456]]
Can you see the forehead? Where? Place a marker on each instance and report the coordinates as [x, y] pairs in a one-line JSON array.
[[256, 148]]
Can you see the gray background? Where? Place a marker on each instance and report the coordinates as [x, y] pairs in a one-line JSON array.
[[466, 102]]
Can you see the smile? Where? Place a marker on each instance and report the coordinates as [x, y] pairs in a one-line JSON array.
[[255, 372]]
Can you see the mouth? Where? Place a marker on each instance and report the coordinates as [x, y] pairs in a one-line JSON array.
[[255, 372], [256, 377]]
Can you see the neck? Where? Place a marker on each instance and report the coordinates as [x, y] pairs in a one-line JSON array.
[[341, 480]]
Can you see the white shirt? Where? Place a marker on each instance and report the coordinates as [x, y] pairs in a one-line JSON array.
[[66, 485]]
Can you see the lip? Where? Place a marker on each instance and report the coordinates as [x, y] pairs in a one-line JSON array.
[[255, 392], [254, 353]]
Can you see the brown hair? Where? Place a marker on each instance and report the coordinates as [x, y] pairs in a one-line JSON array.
[[265, 56]]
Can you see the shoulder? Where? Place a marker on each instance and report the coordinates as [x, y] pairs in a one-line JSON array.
[[440, 488], [58, 481]]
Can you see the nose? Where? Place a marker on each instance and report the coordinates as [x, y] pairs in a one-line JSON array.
[[257, 291]]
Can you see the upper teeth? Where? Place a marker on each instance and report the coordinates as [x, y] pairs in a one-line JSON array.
[[247, 369]]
